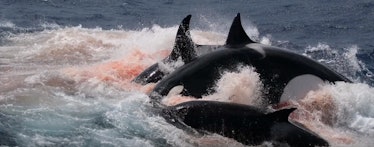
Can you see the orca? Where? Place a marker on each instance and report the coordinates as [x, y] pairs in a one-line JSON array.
[[280, 70], [277, 67], [244, 123], [187, 50]]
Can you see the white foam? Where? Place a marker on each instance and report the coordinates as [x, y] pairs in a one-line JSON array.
[[266, 40], [238, 87], [41, 107], [170, 66], [319, 47], [7, 24], [208, 38], [343, 60], [355, 106]]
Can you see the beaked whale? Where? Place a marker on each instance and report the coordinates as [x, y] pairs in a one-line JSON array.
[[244, 123], [277, 68]]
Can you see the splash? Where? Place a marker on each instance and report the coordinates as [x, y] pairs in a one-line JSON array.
[[339, 112], [241, 86], [344, 60], [72, 86], [356, 109], [6, 24], [238, 87]]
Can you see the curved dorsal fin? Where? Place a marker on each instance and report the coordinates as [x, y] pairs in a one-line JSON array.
[[281, 115], [237, 35], [184, 46]]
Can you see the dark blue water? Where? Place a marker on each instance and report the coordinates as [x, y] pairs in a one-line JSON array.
[[299, 23], [41, 38]]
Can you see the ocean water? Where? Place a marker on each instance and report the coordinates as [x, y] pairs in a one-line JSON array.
[[66, 67]]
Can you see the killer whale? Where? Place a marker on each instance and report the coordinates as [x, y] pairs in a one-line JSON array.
[[187, 50], [276, 67], [245, 124]]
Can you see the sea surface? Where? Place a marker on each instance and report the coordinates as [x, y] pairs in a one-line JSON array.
[[66, 66]]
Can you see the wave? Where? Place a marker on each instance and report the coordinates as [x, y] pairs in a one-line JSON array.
[[72, 86]]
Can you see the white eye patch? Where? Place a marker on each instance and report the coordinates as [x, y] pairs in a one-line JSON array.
[[298, 87], [175, 91]]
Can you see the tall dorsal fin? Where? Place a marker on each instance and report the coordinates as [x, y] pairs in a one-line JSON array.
[[184, 46], [281, 115], [237, 35]]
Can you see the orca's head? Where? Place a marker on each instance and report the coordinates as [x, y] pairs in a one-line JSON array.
[[150, 75]]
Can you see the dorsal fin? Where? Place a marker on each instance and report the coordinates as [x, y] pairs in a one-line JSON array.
[[281, 115], [184, 46], [237, 35]]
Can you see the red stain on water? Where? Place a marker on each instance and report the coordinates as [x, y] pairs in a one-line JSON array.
[[317, 112], [120, 73]]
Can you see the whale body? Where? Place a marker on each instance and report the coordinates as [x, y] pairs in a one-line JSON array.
[[276, 67], [245, 124], [280, 71]]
